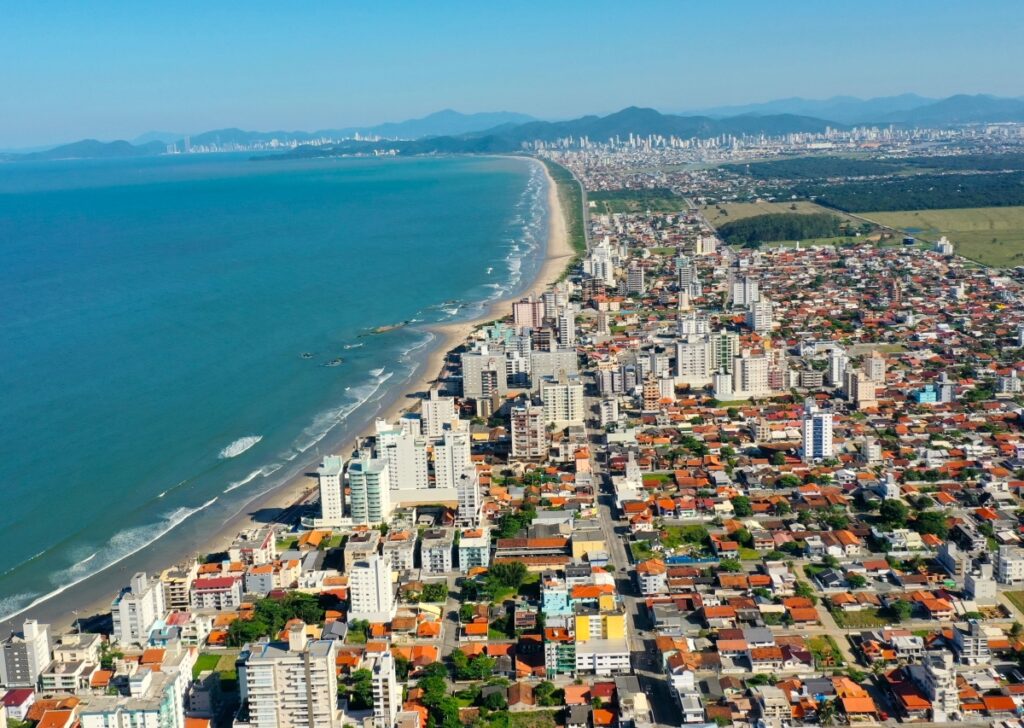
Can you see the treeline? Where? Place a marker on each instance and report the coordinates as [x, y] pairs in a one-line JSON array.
[[815, 168], [920, 192], [750, 232]]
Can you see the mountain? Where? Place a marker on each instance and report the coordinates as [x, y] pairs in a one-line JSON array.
[[961, 109], [444, 123], [844, 109], [164, 137], [93, 149]]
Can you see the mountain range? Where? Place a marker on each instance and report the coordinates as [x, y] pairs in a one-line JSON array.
[[452, 131]]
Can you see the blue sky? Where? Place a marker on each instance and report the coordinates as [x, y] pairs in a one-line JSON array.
[[117, 69]]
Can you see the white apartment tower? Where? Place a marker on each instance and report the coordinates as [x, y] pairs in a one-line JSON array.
[[529, 436], [290, 684], [406, 456], [816, 433], [471, 503], [745, 291], [438, 414], [635, 279], [452, 455], [528, 313], [563, 400], [761, 315], [136, 609], [24, 655], [370, 485], [369, 590], [567, 326], [387, 693], [332, 491]]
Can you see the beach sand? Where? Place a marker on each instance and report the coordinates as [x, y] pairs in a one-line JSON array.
[[302, 488]]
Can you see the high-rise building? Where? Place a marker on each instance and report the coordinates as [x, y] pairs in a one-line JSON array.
[[816, 433], [567, 326], [290, 684], [436, 550], [875, 366], [745, 291], [370, 486], [609, 410], [136, 609], [483, 374], [452, 455], [24, 655], [563, 400], [750, 376], [860, 389], [438, 414], [387, 692], [332, 491], [529, 433], [528, 313], [695, 361], [370, 591], [727, 347], [635, 279], [471, 503], [837, 364], [406, 456], [761, 315]]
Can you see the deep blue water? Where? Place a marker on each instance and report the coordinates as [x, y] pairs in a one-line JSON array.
[[154, 315]]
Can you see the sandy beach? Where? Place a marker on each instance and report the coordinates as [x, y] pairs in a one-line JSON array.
[[558, 255]]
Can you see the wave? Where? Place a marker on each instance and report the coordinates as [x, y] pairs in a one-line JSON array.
[[33, 557], [121, 546], [376, 372], [239, 446], [247, 479]]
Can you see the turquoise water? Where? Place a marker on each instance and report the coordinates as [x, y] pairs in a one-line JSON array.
[[166, 327]]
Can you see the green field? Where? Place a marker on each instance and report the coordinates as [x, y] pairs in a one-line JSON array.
[[990, 235], [729, 211], [631, 201], [1016, 598], [864, 619]]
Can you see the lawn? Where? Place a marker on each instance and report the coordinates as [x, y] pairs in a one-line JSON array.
[[826, 651], [989, 235], [864, 619], [1016, 598], [750, 554], [729, 211], [205, 661], [641, 551], [530, 719], [636, 201]]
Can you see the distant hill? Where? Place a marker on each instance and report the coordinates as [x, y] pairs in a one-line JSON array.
[[445, 123], [961, 109], [93, 149], [844, 109]]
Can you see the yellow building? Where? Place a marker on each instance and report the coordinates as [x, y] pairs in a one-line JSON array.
[[600, 625], [582, 547]]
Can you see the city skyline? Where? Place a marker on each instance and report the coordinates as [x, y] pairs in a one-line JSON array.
[[198, 68]]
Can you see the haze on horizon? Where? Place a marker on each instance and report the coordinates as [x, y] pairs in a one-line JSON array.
[[113, 70]]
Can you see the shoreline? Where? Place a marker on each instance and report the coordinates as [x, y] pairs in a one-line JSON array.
[[297, 490]]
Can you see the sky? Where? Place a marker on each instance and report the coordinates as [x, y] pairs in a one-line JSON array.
[[109, 70]]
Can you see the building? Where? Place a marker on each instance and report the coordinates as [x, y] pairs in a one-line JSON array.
[[220, 593], [567, 326], [474, 549], [136, 609], [471, 502], [371, 596], [600, 631], [177, 584], [436, 547], [563, 400], [290, 684], [332, 491], [387, 692], [483, 374], [860, 389], [529, 434], [406, 456], [155, 696], [437, 414], [1010, 565], [745, 291], [528, 313], [370, 490], [971, 643], [451, 458], [816, 433], [24, 655], [695, 361], [400, 549], [761, 315], [635, 279]]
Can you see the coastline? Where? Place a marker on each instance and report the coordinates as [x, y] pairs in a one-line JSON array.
[[558, 254]]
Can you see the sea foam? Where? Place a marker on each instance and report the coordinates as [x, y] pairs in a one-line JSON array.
[[239, 446]]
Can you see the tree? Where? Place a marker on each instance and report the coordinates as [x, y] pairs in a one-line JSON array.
[[741, 506], [779, 458], [902, 609], [743, 538], [402, 667], [508, 574], [495, 701], [361, 690], [732, 565], [827, 713], [856, 581], [932, 522], [437, 592], [547, 694], [893, 513], [803, 589]]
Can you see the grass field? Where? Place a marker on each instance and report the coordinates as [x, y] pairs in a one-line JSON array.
[[729, 211], [990, 235], [863, 619], [606, 202], [826, 651], [1016, 598]]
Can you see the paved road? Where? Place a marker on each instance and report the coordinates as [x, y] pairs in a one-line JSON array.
[[645, 659]]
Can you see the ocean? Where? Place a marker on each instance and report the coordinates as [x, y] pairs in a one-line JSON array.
[[180, 335]]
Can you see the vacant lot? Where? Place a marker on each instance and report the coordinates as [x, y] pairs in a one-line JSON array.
[[729, 211], [863, 619], [990, 235], [634, 201]]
